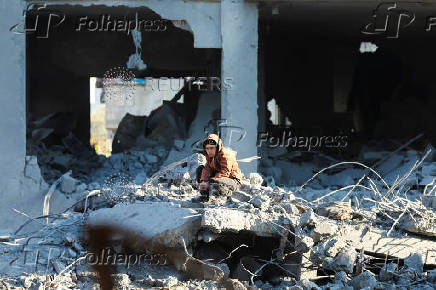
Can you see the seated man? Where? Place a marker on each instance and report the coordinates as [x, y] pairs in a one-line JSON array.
[[221, 174]]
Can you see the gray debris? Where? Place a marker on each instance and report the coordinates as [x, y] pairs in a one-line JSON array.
[[260, 201], [364, 280], [303, 244], [68, 184], [308, 218], [255, 179], [414, 263], [387, 272], [241, 196]]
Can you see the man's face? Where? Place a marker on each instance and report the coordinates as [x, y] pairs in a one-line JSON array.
[[210, 150]]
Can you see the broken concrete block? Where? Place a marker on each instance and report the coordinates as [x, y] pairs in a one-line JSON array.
[[308, 218], [94, 202], [344, 261], [140, 178], [234, 284], [226, 219], [415, 263], [334, 247], [161, 222], [364, 280], [323, 230], [387, 272], [303, 244], [429, 201], [241, 196], [255, 179], [260, 201], [81, 187], [288, 196], [340, 179], [290, 208], [68, 184], [61, 162], [151, 158], [338, 286], [341, 276], [31, 169], [306, 284], [418, 225], [431, 276], [32, 175]]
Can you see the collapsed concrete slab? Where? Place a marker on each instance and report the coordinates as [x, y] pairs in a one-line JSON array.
[[371, 240], [233, 220], [162, 222]]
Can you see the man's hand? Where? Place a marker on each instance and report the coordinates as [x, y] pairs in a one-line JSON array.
[[204, 185]]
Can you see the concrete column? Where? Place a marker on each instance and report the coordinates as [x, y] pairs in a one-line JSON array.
[[12, 107], [239, 36]]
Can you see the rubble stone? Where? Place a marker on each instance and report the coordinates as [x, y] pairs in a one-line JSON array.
[[344, 261], [386, 273], [415, 263], [341, 276], [151, 158], [234, 284], [418, 225], [226, 219], [303, 244], [241, 196], [308, 218], [431, 276], [260, 201], [305, 284], [323, 230], [364, 280], [81, 187], [255, 179]]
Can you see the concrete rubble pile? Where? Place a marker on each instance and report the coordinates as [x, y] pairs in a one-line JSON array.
[[345, 227]]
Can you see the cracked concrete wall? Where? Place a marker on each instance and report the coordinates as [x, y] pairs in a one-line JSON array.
[[239, 29], [21, 184]]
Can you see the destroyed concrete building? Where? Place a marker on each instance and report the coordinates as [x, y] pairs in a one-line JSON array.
[[328, 105]]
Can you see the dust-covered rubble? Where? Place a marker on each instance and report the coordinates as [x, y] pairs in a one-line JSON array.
[[374, 234]]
